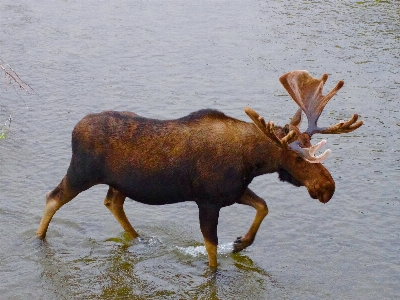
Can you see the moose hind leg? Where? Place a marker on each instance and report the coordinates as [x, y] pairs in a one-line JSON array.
[[55, 199], [114, 201], [251, 199]]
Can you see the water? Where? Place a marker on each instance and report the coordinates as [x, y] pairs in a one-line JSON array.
[[164, 59]]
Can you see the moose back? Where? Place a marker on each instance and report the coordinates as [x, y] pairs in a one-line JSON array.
[[205, 157]]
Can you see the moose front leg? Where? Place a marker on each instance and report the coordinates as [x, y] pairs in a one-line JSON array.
[[251, 199], [208, 215], [114, 201]]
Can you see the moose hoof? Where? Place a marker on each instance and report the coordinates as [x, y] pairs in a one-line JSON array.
[[238, 245]]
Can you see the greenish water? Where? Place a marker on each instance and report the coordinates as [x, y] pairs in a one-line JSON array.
[[165, 59]]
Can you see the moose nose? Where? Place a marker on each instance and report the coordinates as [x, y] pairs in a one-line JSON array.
[[323, 192], [325, 197], [326, 192]]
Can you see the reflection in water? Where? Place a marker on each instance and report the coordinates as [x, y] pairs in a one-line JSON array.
[[164, 59], [147, 269]]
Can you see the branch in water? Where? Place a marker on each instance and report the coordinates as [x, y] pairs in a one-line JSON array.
[[14, 79]]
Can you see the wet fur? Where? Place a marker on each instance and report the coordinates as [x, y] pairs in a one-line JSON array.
[[205, 157], [285, 176]]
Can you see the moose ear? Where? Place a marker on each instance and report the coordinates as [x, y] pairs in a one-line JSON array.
[[296, 120]]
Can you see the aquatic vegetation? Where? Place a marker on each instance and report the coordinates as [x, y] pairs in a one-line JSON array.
[[5, 128]]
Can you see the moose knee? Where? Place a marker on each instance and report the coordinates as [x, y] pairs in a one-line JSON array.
[[262, 208], [114, 199]]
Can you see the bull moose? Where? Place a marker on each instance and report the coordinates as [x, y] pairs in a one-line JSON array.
[[205, 157]]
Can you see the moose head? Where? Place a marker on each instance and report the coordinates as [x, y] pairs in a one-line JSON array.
[[298, 151]]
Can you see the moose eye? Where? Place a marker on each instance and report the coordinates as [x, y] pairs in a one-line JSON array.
[[299, 159], [286, 129]]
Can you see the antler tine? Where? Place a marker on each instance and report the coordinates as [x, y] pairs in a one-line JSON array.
[[309, 153], [343, 127], [256, 118], [332, 93], [289, 138], [320, 104], [268, 128], [271, 134]]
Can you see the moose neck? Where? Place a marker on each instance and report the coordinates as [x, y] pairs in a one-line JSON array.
[[260, 154]]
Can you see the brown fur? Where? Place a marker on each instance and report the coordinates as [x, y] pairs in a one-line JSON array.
[[205, 157]]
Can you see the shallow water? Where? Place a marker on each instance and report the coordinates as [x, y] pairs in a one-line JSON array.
[[164, 59]]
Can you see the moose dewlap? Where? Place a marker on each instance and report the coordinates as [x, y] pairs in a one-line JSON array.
[[205, 157]]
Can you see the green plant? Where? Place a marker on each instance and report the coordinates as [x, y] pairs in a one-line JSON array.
[[6, 127]]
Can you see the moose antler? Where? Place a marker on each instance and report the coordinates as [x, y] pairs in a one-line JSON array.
[[268, 129], [290, 138], [306, 91]]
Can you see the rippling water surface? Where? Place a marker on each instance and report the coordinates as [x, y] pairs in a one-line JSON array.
[[164, 59]]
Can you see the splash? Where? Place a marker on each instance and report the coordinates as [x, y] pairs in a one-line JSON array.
[[196, 251]]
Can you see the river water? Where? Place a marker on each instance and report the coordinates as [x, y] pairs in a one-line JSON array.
[[165, 59]]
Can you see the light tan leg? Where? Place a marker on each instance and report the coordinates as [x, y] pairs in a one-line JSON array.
[[114, 201], [211, 249], [251, 199], [208, 216], [56, 198]]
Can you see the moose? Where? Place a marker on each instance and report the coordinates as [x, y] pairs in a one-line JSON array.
[[205, 157]]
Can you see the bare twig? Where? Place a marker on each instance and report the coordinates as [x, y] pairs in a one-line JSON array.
[[15, 80]]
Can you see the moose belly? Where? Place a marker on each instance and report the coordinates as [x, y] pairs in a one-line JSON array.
[[170, 187]]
